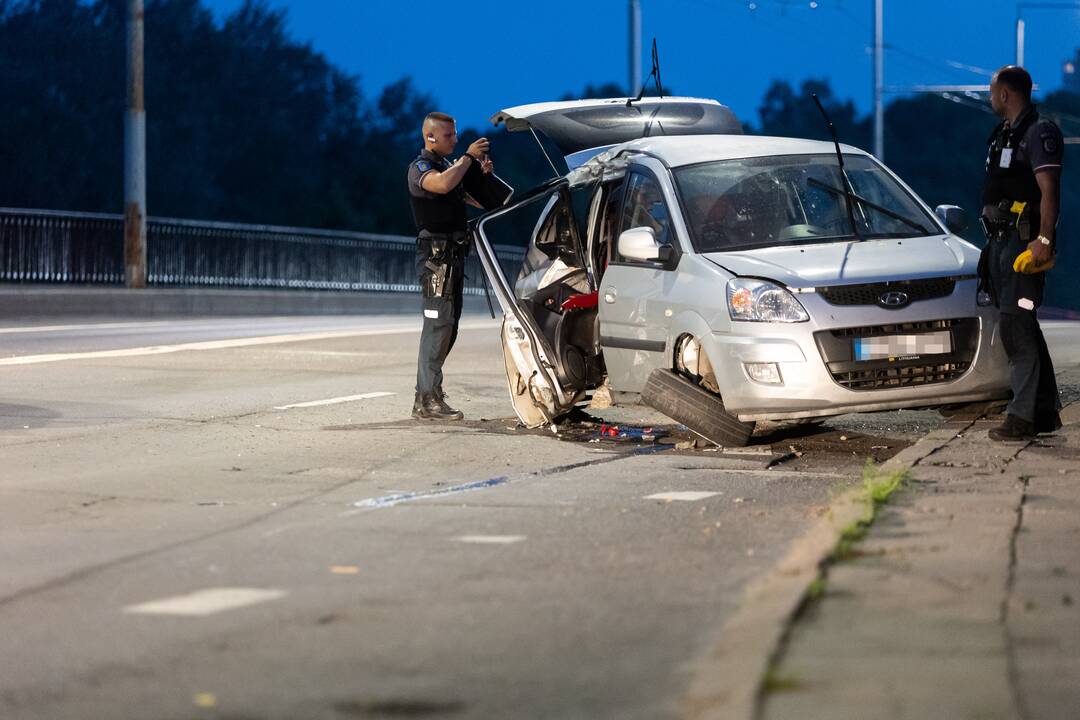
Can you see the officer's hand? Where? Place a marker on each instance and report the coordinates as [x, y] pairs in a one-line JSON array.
[[480, 148], [487, 166], [1040, 253]]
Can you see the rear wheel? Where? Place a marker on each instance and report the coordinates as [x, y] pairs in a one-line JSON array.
[[699, 409]]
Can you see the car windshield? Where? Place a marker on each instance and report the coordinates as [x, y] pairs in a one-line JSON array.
[[788, 199]]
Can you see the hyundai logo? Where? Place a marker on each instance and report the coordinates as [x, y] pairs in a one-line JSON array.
[[893, 300]]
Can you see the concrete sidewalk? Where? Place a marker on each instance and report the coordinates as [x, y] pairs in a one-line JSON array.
[[963, 600]]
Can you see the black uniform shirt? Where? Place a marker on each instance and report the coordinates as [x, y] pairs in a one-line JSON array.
[[421, 166], [435, 212], [1042, 146]]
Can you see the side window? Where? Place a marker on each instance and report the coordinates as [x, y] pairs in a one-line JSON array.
[[609, 223], [645, 207]]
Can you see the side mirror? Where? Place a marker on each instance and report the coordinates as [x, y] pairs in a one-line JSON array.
[[953, 217], [640, 244]]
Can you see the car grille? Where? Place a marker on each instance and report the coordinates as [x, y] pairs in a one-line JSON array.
[[836, 347], [868, 294], [897, 377]]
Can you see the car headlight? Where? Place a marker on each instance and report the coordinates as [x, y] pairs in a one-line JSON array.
[[762, 301]]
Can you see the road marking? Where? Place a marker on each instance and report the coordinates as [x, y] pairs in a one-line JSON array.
[[398, 498], [335, 401], [93, 326], [490, 539], [330, 353], [685, 495], [223, 344], [392, 500], [205, 602]]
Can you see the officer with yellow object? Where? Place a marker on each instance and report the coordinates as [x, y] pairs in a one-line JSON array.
[[1021, 203]]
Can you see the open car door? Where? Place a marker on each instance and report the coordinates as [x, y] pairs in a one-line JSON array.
[[544, 375]]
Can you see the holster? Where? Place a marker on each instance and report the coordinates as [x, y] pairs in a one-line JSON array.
[[437, 274], [436, 279]]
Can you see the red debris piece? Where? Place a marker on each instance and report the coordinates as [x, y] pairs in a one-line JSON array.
[[580, 302]]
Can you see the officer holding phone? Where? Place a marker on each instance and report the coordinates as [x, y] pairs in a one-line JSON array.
[[438, 201]]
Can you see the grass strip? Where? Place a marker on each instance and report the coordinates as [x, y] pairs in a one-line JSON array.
[[878, 487]]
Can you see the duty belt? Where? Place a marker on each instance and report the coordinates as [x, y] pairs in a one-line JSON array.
[[458, 237], [1008, 214]]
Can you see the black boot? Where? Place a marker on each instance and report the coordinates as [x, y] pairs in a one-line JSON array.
[[1013, 428], [1048, 423], [434, 408], [418, 407]]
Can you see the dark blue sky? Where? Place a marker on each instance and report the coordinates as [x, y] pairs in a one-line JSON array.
[[477, 57]]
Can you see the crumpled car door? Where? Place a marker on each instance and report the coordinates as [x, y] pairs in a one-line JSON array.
[[531, 376]]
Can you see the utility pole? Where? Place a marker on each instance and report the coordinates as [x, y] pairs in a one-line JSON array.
[[635, 48], [1019, 38], [879, 81], [1021, 27], [135, 153]]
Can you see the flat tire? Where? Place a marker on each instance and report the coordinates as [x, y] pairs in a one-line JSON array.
[[684, 401]]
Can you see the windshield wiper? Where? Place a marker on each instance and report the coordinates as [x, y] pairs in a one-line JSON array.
[[849, 192], [863, 201]]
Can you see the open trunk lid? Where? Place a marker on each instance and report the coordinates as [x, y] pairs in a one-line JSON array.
[[580, 128]]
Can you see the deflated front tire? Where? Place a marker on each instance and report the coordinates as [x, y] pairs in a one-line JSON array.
[[701, 410]]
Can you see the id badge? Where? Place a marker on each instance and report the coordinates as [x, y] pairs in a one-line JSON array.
[[1006, 157]]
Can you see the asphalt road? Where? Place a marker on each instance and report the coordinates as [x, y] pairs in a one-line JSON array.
[[195, 524]]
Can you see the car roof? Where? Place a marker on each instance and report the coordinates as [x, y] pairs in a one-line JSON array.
[[690, 150]]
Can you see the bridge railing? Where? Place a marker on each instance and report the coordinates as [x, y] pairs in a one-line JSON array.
[[45, 246]]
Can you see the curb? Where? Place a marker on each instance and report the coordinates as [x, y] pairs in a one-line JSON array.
[[726, 682]]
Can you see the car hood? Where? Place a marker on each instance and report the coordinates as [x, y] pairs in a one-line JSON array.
[[575, 126], [849, 263]]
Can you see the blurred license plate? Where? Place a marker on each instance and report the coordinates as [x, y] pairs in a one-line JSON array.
[[900, 347]]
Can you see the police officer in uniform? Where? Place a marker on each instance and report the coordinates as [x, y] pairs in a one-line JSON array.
[[438, 205], [1021, 201]]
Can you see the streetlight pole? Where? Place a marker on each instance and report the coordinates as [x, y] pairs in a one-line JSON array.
[[135, 153], [1020, 25], [1019, 38], [879, 80], [635, 48]]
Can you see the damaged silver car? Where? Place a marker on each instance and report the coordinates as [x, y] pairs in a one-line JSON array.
[[725, 279]]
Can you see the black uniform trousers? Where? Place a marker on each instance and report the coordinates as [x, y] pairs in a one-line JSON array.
[[1031, 371], [442, 314]]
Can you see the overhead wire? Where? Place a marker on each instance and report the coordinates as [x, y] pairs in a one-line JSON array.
[[900, 52]]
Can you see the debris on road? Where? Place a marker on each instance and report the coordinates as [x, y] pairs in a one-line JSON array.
[[344, 569]]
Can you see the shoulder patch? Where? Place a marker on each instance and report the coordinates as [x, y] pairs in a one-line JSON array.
[[423, 165], [1050, 144]]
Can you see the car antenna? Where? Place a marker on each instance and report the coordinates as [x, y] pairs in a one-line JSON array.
[[655, 73], [848, 192]]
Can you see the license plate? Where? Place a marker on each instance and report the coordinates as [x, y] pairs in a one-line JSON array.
[[903, 347]]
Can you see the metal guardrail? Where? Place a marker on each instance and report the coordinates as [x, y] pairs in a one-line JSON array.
[[47, 246]]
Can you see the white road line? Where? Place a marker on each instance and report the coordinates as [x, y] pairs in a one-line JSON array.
[[85, 326], [330, 353], [205, 602], [685, 495], [224, 344], [490, 539], [335, 401]]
